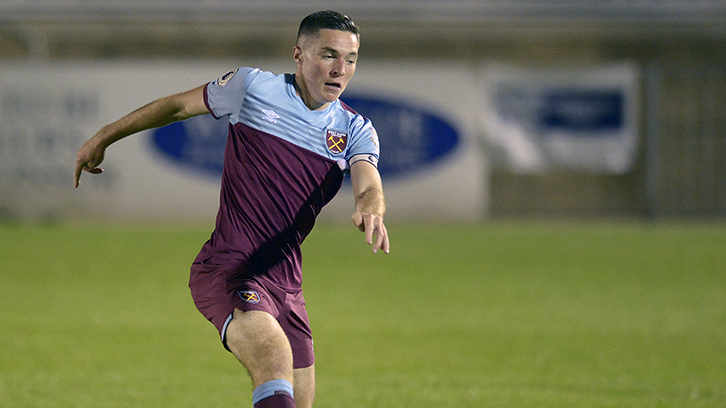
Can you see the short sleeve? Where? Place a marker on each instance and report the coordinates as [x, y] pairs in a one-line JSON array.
[[224, 96], [365, 144]]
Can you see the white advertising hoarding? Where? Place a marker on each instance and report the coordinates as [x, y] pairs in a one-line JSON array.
[[425, 115], [539, 119]]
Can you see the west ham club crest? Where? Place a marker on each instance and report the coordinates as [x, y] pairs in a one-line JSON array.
[[336, 141]]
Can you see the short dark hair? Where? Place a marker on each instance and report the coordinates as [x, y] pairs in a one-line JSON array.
[[328, 19]]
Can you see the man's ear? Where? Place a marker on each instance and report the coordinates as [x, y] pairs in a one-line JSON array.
[[297, 53]]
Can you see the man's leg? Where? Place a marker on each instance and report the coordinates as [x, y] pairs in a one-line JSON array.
[[304, 386], [258, 342]]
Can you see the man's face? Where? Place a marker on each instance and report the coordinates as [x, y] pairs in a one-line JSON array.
[[325, 65]]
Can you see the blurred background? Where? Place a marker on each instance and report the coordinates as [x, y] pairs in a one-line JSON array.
[[486, 109]]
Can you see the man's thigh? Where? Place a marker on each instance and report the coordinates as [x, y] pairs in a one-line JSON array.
[[259, 343]]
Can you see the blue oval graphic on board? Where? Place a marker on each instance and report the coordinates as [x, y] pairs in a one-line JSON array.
[[411, 138], [196, 144]]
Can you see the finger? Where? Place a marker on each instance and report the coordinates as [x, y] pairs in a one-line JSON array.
[[358, 221], [87, 167], [79, 170], [378, 243], [370, 228], [385, 243], [381, 239]]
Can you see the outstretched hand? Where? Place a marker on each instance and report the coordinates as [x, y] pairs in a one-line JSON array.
[[88, 157], [372, 225]]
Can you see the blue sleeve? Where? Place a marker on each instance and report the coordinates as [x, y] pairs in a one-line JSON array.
[[364, 143], [224, 96]]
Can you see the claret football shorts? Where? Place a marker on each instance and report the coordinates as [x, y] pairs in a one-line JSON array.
[[216, 298]]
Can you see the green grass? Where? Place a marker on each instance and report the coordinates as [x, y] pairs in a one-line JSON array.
[[493, 315]]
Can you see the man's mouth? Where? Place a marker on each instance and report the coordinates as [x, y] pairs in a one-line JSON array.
[[334, 85]]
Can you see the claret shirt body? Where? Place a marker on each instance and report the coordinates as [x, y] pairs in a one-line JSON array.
[[283, 162]]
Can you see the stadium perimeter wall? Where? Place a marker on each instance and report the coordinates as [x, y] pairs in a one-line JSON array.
[[173, 173], [679, 166]]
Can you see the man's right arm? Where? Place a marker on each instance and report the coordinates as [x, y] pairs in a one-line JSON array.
[[159, 113]]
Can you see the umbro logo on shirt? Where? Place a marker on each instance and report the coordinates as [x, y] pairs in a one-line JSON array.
[[270, 116]]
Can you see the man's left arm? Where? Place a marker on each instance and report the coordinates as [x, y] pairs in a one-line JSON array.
[[370, 205]]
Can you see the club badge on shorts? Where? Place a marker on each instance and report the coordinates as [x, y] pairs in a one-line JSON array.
[[249, 296], [336, 141]]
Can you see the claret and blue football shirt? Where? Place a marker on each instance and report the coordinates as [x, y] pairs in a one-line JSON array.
[[283, 162]]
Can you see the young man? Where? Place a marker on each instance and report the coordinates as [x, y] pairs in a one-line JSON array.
[[290, 141]]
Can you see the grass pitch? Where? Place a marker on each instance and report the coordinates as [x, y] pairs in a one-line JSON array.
[[492, 315]]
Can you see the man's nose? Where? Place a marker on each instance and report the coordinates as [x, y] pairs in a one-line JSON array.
[[338, 68]]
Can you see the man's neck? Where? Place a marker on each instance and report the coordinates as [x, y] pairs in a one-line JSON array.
[[304, 94]]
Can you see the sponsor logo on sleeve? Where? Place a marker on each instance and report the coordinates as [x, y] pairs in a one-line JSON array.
[[222, 81], [374, 136]]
